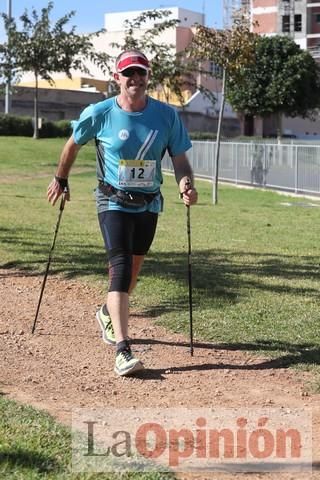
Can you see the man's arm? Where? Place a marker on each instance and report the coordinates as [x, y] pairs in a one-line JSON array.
[[67, 157], [184, 177]]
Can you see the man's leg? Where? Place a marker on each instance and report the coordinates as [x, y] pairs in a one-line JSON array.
[[118, 302], [117, 230], [122, 234], [118, 308], [137, 262]]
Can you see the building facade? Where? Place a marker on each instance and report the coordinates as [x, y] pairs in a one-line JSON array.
[[177, 38], [298, 18], [54, 104]]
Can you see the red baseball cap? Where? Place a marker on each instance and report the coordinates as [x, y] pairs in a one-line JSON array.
[[132, 59]]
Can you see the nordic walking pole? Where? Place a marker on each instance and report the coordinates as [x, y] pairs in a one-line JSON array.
[[63, 201], [188, 184]]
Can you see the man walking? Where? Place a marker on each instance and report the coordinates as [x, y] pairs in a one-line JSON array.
[[132, 132]]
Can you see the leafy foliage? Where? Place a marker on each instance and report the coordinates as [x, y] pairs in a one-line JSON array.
[[283, 79], [16, 125], [172, 72], [231, 49], [44, 48]]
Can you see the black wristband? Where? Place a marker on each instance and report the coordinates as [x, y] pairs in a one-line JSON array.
[[63, 183]]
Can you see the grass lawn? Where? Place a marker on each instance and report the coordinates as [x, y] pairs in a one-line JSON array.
[[255, 262], [34, 447]]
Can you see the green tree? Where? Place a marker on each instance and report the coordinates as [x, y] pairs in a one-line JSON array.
[[232, 50], [284, 79], [44, 48]]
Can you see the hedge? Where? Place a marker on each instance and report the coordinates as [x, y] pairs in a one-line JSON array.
[[203, 136], [13, 125]]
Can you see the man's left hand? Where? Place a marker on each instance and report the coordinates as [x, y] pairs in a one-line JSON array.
[[189, 195]]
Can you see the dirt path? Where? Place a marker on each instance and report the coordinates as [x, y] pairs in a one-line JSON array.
[[66, 364]]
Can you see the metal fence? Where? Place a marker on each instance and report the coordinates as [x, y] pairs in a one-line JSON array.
[[291, 167]]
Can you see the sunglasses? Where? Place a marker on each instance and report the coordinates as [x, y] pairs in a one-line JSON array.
[[129, 72]]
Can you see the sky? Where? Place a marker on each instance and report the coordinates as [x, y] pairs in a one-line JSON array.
[[89, 16]]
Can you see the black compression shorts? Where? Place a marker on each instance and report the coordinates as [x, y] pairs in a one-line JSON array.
[[130, 233]]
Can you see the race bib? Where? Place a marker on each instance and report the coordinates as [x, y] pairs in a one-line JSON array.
[[136, 173]]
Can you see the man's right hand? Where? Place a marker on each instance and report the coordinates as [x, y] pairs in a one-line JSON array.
[[56, 189]]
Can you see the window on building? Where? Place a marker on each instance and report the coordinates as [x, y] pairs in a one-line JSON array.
[[298, 23], [318, 17], [286, 23]]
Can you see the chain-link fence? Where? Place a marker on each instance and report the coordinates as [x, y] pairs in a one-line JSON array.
[[291, 167]]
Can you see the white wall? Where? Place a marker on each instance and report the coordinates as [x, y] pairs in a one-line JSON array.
[[199, 103], [302, 127]]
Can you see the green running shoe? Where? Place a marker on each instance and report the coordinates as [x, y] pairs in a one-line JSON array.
[[126, 363], [106, 327]]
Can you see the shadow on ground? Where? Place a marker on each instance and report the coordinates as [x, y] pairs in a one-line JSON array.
[[217, 273], [19, 457], [302, 354]]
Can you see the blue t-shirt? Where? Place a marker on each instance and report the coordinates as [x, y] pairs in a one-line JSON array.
[[131, 145]]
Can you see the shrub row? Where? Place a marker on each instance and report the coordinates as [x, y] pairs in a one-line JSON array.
[[13, 125], [202, 135]]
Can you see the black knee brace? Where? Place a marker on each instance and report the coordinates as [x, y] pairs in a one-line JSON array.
[[120, 271]]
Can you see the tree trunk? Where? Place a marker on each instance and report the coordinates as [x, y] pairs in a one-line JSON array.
[[248, 122], [36, 110], [279, 126], [216, 163]]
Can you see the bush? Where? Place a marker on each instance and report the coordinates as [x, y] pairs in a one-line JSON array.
[[203, 136], [65, 128], [61, 128], [13, 125]]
